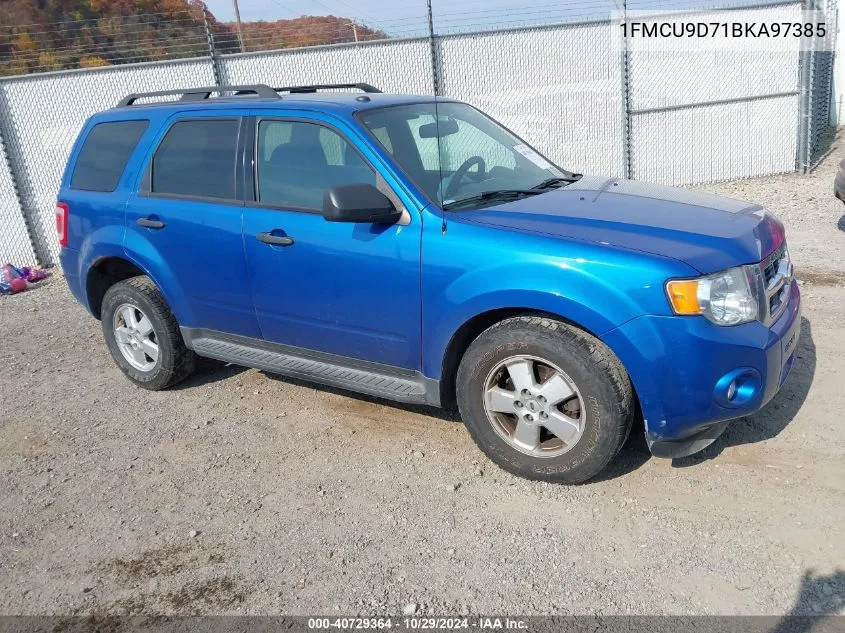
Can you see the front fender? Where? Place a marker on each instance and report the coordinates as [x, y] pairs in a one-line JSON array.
[[472, 270], [469, 307]]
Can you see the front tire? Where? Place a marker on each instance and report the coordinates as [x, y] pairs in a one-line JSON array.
[[545, 400], [143, 336]]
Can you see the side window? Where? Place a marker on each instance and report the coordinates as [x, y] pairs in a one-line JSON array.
[[298, 161], [104, 155], [197, 158], [276, 133]]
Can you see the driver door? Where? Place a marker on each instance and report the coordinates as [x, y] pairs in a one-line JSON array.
[[349, 289]]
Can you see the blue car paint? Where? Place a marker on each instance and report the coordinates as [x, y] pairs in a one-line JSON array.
[[708, 232], [220, 298], [675, 364], [596, 253], [349, 289], [596, 286]]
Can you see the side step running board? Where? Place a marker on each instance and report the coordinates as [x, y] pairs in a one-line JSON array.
[[322, 368]]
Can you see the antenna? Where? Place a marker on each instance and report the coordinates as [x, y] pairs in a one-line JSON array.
[[434, 75]]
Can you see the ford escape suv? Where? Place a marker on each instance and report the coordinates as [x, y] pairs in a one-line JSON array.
[[412, 248]]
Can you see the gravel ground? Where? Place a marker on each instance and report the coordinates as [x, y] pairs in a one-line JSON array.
[[243, 492]]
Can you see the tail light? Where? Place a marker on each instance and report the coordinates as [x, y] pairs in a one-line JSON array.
[[61, 222]]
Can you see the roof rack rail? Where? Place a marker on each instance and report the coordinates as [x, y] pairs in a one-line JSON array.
[[306, 89], [199, 94]]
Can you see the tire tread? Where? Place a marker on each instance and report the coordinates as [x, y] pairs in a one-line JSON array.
[[183, 359], [600, 356]]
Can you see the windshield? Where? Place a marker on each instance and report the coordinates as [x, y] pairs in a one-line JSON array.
[[459, 157]]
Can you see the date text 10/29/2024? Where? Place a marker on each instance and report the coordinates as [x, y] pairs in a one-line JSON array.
[[416, 623]]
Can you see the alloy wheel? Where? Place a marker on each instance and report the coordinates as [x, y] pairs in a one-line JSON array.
[[136, 337], [534, 406]]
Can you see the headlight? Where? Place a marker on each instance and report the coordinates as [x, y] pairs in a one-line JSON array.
[[725, 298]]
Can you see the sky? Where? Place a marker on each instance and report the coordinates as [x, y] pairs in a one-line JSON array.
[[408, 17]]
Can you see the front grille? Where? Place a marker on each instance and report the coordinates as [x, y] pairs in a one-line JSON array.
[[771, 268], [777, 279], [776, 301]]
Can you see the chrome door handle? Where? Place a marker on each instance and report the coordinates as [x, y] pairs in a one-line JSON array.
[[275, 240], [151, 224]]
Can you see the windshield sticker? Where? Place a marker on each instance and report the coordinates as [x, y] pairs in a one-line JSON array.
[[533, 156]]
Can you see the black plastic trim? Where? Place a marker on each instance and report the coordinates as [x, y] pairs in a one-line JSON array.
[[207, 199], [687, 446], [376, 379], [260, 91], [310, 89]]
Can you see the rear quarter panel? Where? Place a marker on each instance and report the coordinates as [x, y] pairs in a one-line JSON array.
[[97, 220]]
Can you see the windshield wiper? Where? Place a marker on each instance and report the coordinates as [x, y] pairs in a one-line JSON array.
[[495, 194], [558, 181]]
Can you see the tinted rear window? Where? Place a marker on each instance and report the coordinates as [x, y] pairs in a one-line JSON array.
[[105, 153], [197, 158]]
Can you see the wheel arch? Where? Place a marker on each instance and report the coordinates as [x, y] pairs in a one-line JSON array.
[[102, 275], [109, 268], [470, 329]]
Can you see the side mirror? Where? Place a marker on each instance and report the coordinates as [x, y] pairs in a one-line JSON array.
[[359, 203]]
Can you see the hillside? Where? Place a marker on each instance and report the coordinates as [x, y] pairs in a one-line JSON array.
[[44, 35], [304, 31]]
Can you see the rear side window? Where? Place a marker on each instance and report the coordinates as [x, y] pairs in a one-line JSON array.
[[104, 155], [197, 158]]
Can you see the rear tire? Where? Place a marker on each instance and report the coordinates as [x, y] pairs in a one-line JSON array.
[[143, 336], [545, 400]]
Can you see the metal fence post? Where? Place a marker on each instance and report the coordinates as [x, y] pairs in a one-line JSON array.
[[30, 229], [805, 74], [212, 49], [627, 127]]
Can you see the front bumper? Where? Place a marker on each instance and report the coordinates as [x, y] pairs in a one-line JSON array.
[[681, 368]]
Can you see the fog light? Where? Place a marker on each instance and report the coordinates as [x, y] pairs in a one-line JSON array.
[[738, 387]]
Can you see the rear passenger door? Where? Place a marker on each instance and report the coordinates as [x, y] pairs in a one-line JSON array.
[[186, 220], [349, 289]]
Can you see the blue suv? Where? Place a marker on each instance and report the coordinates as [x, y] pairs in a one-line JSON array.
[[411, 248]]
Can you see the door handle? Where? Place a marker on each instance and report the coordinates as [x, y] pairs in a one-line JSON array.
[[151, 224], [275, 240]]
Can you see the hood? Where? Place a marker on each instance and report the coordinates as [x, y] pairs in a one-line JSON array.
[[708, 232]]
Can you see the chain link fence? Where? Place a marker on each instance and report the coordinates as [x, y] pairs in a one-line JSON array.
[[15, 243], [706, 115], [819, 87], [41, 115], [400, 66], [570, 89], [558, 87]]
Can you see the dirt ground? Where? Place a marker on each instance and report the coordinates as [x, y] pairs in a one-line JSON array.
[[243, 492]]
